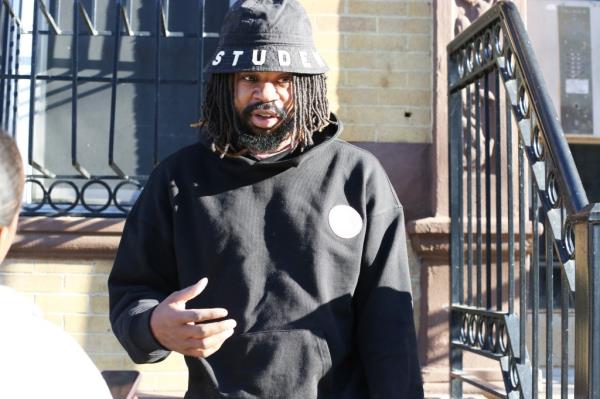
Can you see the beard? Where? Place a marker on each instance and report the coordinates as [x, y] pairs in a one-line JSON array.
[[259, 140]]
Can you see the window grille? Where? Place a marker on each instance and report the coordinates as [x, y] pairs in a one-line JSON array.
[[96, 93]]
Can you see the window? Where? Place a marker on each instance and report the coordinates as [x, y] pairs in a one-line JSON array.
[[96, 93]]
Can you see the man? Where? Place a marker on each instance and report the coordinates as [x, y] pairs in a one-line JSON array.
[[39, 360], [272, 255]]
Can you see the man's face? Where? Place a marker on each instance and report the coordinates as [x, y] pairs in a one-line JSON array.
[[263, 102]]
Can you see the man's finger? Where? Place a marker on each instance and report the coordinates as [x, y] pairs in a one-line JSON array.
[[201, 331], [214, 340], [206, 347], [190, 292], [200, 315]]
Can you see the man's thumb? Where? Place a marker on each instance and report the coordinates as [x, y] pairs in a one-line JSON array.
[[190, 292]]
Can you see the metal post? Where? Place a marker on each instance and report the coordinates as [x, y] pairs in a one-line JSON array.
[[587, 303], [114, 84], [157, 32], [201, 29], [7, 36], [455, 156]]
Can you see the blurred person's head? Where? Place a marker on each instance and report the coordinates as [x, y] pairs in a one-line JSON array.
[[11, 191]]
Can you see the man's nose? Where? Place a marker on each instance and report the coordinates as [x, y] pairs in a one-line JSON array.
[[266, 92]]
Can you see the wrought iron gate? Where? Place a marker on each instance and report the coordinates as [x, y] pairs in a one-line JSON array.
[[518, 209]]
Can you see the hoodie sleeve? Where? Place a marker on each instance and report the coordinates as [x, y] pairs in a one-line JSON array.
[[385, 325], [144, 272]]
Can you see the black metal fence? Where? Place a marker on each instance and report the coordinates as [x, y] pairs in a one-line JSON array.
[[513, 181], [98, 92]]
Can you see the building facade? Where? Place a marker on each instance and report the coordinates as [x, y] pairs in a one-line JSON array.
[[387, 83]]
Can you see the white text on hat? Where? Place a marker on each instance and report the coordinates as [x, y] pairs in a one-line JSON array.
[[259, 57]]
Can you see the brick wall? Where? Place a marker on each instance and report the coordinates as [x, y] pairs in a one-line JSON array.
[[72, 294], [380, 55], [380, 84]]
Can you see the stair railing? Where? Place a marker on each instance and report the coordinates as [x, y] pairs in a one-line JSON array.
[[513, 220]]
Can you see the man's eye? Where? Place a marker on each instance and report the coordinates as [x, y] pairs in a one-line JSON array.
[[287, 79], [248, 78]]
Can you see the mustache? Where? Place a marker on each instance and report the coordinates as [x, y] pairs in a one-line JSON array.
[[266, 106]]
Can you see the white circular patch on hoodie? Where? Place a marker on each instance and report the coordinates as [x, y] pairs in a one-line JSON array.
[[345, 221]]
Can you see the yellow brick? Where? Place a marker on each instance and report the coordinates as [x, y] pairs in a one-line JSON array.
[[420, 9], [5, 277], [110, 361], [360, 115], [83, 283], [357, 96], [66, 267], [325, 23], [357, 132], [399, 61], [330, 23], [404, 25], [377, 7], [422, 43], [419, 80], [58, 303], [164, 381], [99, 304], [167, 394], [415, 116], [332, 91], [174, 362], [359, 59], [333, 79], [327, 41], [334, 105], [375, 42], [28, 296], [405, 134], [331, 58], [103, 266], [34, 282], [55, 319], [323, 7], [374, 79], [80, 324], [99, 343], [414, 98], [17, 266], [358, 24], [391, 115]]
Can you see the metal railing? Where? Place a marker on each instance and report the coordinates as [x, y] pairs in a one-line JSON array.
[[57, 45], [499, 113]]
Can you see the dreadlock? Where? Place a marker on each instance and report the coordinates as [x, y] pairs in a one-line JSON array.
[[311, 111]]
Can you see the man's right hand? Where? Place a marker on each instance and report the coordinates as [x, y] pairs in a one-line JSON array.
[[189, 331]]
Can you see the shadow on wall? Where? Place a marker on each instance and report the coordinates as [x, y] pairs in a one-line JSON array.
[[381, 109]]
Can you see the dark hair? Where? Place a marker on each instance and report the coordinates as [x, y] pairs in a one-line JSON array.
[[11, 179], [311, 110]]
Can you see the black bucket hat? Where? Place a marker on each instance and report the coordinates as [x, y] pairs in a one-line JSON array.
[[266, 35]]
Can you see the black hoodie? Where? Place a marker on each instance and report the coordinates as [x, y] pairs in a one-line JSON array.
[[307, 252]]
